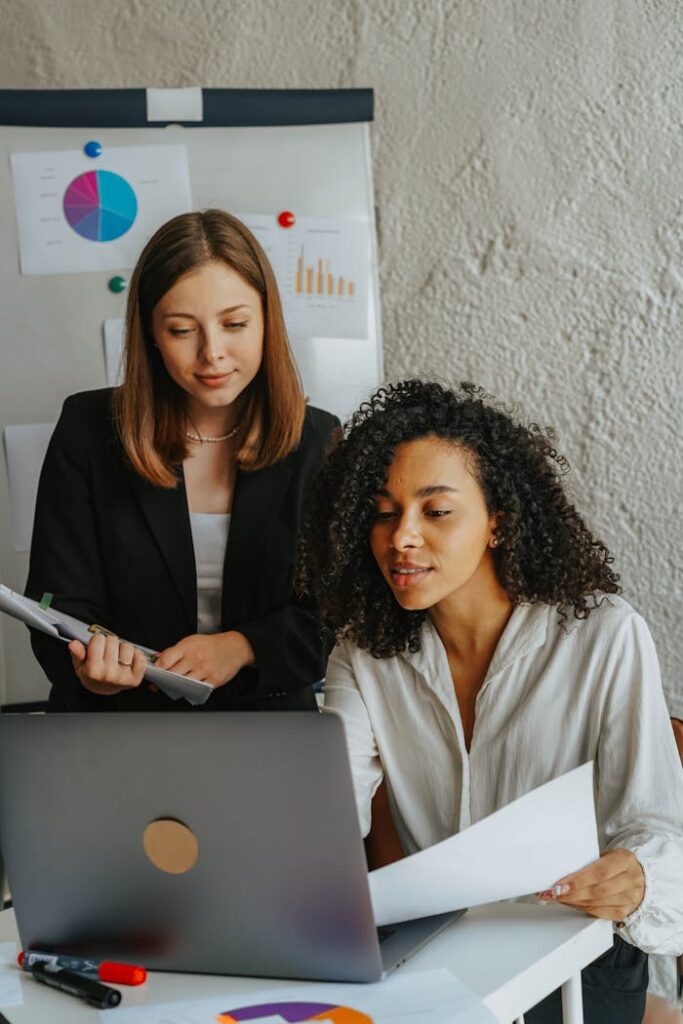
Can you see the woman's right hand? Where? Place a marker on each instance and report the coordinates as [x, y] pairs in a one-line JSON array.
[[107, 665]]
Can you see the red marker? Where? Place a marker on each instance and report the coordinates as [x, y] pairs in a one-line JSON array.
[[105, 970], [286, 219]]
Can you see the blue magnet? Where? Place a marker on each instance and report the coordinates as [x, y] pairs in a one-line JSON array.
[[92, 148]]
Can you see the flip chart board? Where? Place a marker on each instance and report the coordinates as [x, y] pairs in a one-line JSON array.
[[86, 176]]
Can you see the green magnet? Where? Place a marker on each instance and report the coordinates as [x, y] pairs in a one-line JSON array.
[[117, 285], [46, 600]]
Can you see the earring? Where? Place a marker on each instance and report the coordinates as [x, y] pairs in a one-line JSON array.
[[494, 542]]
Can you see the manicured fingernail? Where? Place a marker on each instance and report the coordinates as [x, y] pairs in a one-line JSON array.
[[560, 890], [545, 896]]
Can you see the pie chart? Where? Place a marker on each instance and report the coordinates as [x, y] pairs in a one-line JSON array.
[[100, 206], [295, 1012]]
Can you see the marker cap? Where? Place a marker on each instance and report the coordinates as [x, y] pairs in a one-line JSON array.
[[121, 974]]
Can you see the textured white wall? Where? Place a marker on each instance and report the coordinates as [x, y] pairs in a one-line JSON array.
[[528, 160]]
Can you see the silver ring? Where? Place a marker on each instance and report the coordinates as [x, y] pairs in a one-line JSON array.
[[126, 664]]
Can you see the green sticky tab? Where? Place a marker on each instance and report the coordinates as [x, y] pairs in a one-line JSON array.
[[46, 600]]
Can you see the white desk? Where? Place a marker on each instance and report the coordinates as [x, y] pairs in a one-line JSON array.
[[512, 955]]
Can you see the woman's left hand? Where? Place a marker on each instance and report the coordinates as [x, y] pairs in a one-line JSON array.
[[611, 888], [214, 658]]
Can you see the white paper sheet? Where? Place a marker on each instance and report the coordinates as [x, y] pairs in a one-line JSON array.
[[25, 448], [112, 331], [322, 266], [523, 848], [337, 375], [76, 214], [422, 997], [10, 976]]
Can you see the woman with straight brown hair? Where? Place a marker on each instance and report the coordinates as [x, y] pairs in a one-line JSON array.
[[168, 508]]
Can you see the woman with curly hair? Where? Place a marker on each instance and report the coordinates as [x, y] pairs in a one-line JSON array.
[[483, 650]]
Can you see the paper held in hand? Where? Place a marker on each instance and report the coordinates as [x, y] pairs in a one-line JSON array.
[[521, 849], [66, 627]]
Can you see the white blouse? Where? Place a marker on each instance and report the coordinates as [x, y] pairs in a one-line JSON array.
[[210, 539], [552, 699]]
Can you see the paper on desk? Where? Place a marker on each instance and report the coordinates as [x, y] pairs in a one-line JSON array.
[[66, 627], [25, 447], [10, 976], [523, 848], [422, 997]]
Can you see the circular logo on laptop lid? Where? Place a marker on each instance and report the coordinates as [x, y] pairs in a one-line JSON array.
[[170, 846]]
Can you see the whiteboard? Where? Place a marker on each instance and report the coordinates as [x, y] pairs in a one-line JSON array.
[[52, 342]]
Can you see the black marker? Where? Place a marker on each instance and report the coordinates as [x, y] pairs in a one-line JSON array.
[[94, 992]]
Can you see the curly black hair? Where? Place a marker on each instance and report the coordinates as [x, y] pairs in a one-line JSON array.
[[545, 551]]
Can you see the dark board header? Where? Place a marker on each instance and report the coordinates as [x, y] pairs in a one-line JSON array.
[[223, 108]]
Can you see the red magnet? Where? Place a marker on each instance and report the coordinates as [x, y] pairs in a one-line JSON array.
[[286, 219]]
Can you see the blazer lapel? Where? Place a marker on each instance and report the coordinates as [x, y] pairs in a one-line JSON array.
[[165, 510], [257, 500]]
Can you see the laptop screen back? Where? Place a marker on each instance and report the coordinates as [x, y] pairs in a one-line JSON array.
[[223, 843]]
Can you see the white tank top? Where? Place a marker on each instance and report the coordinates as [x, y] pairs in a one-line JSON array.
[[210, 539]]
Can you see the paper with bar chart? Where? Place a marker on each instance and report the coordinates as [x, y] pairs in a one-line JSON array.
[[322, 265], [76, 214]]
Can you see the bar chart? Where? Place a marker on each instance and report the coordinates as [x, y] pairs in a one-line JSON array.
[[318, 279]]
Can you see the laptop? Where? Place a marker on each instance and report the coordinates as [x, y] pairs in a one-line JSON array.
[[221, 844]]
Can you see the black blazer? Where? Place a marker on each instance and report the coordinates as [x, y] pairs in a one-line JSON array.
[[115, 550]]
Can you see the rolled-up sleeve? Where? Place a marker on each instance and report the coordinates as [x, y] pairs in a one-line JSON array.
[[343, 697], [640, 787]]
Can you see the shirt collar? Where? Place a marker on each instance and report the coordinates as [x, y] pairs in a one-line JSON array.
[[527, 629]]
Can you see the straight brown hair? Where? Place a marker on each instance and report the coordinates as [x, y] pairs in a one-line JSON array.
[[149, 407]]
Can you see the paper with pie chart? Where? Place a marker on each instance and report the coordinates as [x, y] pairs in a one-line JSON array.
[[421, 997], [76, 214]]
